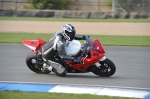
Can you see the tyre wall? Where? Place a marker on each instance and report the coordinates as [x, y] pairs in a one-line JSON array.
[[74, 14]]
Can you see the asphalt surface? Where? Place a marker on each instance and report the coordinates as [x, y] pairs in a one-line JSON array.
[[132, 64]]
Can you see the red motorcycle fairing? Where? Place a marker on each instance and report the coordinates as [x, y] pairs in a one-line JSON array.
[[33, 44], [97, 42], [95, 55], [87, 62]]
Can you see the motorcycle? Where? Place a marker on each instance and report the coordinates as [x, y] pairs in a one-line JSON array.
[[92, 52]]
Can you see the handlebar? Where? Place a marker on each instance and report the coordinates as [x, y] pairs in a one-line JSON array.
[[86, 45], [88, 39]]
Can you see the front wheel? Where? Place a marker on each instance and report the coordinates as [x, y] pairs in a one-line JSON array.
[[106, 69]]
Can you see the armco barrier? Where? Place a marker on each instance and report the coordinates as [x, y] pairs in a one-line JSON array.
[[76, 89], [74, 14]]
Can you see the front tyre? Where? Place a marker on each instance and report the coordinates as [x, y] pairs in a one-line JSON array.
[[35, 63], [106, 69]]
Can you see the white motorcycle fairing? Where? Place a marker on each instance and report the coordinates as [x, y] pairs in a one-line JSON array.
[[72, 47]]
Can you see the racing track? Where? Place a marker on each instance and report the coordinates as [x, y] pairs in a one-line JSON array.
[[133, 68]]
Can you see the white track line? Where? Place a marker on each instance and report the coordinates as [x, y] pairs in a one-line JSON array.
[[93, 89]]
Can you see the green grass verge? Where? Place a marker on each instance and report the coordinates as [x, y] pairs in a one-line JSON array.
[[71, 19], [46, 95], [105, 40]]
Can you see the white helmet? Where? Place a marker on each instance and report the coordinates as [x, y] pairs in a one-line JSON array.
[[68, 31]]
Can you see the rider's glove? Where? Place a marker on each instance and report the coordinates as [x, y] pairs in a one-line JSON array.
[[78, 59]]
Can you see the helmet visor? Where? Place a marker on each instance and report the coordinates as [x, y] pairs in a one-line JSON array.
[[66, 36]]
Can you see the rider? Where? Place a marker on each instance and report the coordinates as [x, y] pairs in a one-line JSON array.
[[56, 45]]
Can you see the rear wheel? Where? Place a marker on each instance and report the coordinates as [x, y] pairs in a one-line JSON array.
[[35, 63], [106, 69]]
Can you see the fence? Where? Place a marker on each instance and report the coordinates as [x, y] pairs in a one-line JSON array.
[[13, 4], [135, 6], [88, 5]]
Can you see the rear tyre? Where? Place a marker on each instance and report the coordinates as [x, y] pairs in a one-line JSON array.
[[106, 69], [35, 63]]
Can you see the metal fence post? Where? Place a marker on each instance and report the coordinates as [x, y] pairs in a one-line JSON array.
[[16, 5], [142, 5], [2, 5], [113, 8], [148, 7], [98, 5]]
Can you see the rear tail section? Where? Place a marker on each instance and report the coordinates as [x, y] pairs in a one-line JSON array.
[[33, 44]]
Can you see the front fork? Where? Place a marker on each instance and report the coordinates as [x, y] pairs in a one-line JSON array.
[[101, 59]]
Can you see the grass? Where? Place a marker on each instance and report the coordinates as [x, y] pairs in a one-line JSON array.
[[71, 19], [105, 40], [46, 95]]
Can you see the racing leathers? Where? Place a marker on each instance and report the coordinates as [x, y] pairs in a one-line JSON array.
[[56, 45]]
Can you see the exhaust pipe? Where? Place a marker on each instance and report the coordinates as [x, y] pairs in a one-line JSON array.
[[58, 67]]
